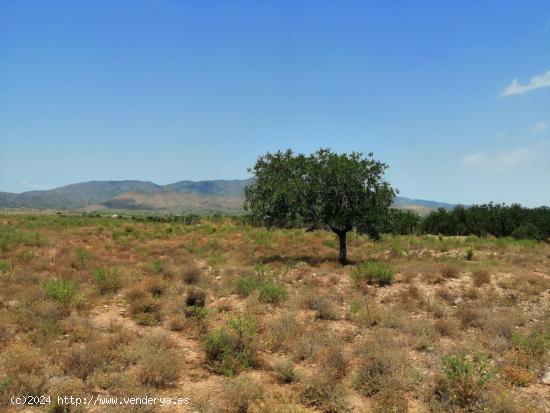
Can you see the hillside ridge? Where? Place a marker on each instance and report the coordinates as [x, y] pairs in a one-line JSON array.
[[223, 195]]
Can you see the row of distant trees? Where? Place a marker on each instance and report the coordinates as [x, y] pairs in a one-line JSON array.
[[498, 220]]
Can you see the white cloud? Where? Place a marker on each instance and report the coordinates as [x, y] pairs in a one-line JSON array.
[[536, 82], [539, 126], [499, 162]]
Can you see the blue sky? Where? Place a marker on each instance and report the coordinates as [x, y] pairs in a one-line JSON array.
[[454, 96]]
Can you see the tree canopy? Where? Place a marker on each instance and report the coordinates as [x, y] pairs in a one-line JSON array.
[[341, 191]]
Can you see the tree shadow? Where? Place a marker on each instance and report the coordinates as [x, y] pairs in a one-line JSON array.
[[312, 260]]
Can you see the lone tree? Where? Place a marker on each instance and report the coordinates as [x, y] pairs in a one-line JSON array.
[[341, 191]]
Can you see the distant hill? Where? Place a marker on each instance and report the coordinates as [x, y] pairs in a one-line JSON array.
[[182, 196]]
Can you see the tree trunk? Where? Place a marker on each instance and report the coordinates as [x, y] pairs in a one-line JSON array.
[[342, 236]]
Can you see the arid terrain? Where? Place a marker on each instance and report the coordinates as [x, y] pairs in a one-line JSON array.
[[244, 319]]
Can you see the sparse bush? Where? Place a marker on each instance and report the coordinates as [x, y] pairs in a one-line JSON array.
[[155, 286], [470, 254], [82, 360], [333, 360], [192, 275], [481, 277], [23, 371], [390, 400], [446, 327], [241, 393], [449, 271], [320, 392], [176, 323], [373, 272], [160, 367], [518, 376], [146, 311], [381, 365], [281, 331], [365, 313], [284, 371], [324, 309], [108, 280], [469, 316], [195, 298]]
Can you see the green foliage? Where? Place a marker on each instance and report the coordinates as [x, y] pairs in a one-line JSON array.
[[535, 345], [82, 259], [25, 256], [528, 231], [107, 280], [342, 191], [373, 272], [10, 237], [231, 349], [496, 219], [244, 286], [401, 222], [271, 292], [156, 266], [196, 312], [5, 266], [464, 378], [61, 290]]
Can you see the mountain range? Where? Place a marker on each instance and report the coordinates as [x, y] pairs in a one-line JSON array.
[[182, 196]]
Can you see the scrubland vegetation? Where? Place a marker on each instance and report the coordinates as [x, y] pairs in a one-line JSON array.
[[245, 319]]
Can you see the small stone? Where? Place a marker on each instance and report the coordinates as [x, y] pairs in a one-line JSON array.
[[546, 377]]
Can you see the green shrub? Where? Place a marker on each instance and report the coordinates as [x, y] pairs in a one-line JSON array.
[[528, 231], [25, 256], [373, 272], [535, 345], [231, 349], [5, 266], [61, 290], [82, 259], [464, 379], [199, 313], [107, 280], [156, 266], [244, 286], [271, 292]]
